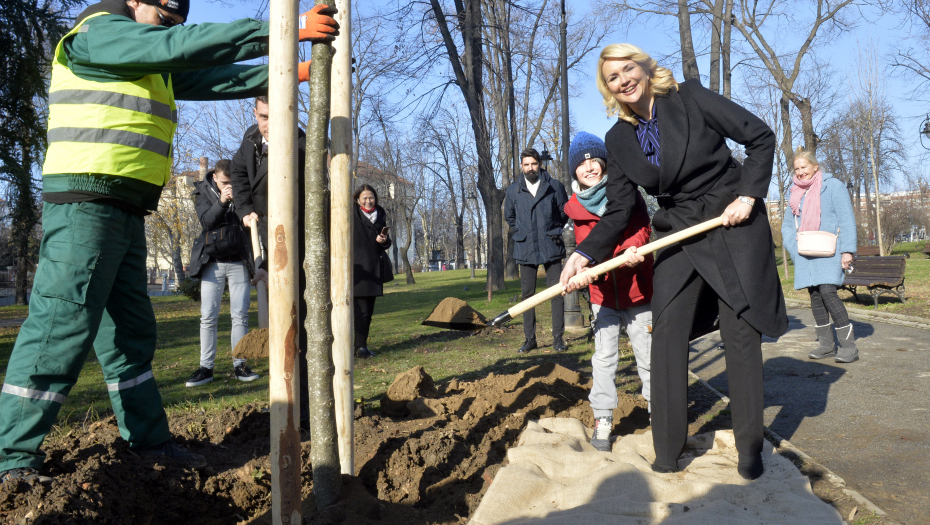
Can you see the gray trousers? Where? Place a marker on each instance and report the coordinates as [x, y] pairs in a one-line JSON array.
[[528, 287], [607, 322], [213, 279]]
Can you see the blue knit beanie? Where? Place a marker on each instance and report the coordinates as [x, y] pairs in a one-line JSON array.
[[585, 146]]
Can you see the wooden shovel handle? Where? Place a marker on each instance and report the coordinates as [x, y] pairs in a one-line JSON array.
[[260, 285], [556, 290]]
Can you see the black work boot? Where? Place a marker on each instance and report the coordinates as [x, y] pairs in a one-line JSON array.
[[848, 351], [827, 348], [528, 345], [172, 449], [558, 344], [27, 474]]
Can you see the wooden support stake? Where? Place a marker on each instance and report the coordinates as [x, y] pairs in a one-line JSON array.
[[324, 455], [341, 233], [283, 263]]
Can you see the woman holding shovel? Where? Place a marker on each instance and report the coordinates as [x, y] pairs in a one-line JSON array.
[[620, 297], [670, 140]]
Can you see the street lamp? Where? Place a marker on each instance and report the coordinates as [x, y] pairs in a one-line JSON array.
[[925, 131], [545, 157]]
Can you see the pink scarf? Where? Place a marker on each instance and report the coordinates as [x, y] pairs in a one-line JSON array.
[[810, 219]]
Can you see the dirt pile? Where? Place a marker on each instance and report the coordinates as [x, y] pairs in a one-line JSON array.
[[253, 346], [407, 387], [431, 467], [455, 314]]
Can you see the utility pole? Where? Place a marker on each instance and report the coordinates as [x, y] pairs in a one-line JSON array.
[[573, 317]]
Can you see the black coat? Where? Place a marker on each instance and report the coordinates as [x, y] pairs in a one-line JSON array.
[[367, 278], [697, 180], [213, 215], [249, 176], [536, 221]]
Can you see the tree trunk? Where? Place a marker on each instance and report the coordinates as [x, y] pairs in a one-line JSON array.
[[715, 23], [460, 242], [403, 253], [176, 257], [811, 140], [727, 29], [24, 220], [469, 74], [689, 65], [324, 455], [786, 148]]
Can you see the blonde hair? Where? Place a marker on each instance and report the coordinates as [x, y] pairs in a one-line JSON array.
[[801, 153], [661, 79]]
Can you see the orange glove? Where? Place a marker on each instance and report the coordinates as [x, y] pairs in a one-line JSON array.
[[316, 26], [303, 71]]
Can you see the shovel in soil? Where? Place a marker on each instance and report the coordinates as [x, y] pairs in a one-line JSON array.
[[556, 290]]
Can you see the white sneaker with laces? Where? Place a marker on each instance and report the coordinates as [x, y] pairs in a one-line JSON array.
[[602, 428]]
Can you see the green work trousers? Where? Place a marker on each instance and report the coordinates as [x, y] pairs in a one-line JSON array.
[[89, 291]]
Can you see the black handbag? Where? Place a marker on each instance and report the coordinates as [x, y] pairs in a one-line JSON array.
[[387, 269], [223, 242]]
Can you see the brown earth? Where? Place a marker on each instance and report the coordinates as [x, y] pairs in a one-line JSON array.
[[253, 346], [431, 467], [455, 313]]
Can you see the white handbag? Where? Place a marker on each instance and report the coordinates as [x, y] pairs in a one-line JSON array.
[[815, 243]]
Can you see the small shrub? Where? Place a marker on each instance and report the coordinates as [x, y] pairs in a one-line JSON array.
[[190, 288]]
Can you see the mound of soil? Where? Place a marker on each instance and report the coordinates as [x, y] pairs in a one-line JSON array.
[[253, 346], [455, 314], [431, 467]]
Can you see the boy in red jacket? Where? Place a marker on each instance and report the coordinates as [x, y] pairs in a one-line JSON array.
[[619, 298]]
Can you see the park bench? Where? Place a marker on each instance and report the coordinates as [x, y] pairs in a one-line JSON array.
[[863, 251], [880, 275], [926, 249]]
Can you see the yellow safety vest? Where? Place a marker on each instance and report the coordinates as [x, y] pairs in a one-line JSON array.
[[109, 128]]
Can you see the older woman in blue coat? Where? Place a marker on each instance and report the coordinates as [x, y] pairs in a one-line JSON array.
[[819, 202]]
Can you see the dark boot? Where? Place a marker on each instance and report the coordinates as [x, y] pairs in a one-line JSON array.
[[827, 348], [848, 351], [558, 344], [750, 467], [528, 345]]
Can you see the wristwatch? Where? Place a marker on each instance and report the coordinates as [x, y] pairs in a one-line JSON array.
[[747, 200]]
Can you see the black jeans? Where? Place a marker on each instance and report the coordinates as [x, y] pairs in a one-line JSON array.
[[528, 287], [823, 300], [743, 353], [364, 309]]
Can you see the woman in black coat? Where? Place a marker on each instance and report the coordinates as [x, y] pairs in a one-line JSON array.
[[671, 141], [370, 242]]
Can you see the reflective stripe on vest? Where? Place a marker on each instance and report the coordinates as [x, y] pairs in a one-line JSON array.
[[109, 128]]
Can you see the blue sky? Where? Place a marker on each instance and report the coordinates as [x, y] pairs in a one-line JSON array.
[[659, 37]]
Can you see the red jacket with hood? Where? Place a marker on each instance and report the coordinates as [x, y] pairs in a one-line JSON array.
[[623, 287]]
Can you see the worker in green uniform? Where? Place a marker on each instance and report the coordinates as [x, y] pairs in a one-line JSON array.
[[112, 117]]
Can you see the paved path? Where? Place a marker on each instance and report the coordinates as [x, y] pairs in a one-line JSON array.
[[868, 422]]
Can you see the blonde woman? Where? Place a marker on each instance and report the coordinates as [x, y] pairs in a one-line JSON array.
[[818, 202], [671, 141]]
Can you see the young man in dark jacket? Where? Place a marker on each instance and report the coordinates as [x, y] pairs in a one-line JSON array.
[[249, 177], [534, 209], [115, 80], [220, 254]]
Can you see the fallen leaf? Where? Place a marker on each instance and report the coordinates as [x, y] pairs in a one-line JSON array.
[[852, 514]]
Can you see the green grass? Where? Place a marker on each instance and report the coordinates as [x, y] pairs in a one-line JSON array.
[[397, 337]]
